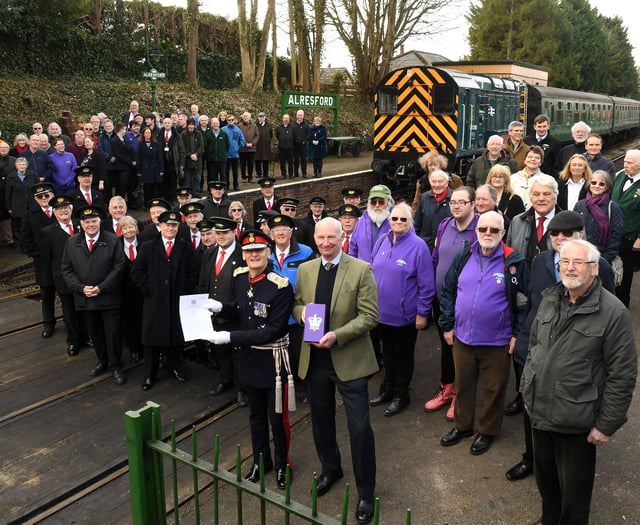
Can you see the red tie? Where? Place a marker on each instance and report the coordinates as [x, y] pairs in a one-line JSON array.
[[70, 228], [220, 261], [194, 241], [345, 244], [268, 205], [166, 137], [238, 231], [169, 243], [118, 231], [132, 253], [540, 229], [48, 212], [281, 260], [91, 241], [87, 197]]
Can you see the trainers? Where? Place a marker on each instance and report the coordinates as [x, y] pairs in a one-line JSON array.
[[443, 396], [451, 410]]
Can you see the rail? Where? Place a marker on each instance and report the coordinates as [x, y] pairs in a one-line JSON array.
[[147, 453]]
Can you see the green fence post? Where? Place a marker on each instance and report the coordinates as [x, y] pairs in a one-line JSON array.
[[147, 498]]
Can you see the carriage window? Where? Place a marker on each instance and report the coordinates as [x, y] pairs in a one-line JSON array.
[[444, 99], [388, 101]]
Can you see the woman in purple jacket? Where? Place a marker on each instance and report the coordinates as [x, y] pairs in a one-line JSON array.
[[404, 274], [63, 176]]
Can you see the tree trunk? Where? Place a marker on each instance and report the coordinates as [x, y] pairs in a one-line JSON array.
[[269, 20], [192, 38]]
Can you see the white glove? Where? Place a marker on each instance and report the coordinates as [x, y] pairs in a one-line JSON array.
[[220, 338], [214, 306]]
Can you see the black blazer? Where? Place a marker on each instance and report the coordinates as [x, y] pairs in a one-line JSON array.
[[563, 193], [97, 199], [54, 239]]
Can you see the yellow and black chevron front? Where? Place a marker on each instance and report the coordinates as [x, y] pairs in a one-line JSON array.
[[413, 127]]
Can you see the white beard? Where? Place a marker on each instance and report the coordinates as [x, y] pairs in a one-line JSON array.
[[378, 216]]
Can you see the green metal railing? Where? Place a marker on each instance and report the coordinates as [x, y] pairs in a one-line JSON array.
[[147, 451]]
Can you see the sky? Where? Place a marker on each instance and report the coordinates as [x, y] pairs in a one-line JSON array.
[[452, 43]]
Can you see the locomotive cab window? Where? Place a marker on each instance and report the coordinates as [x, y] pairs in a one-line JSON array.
[[444, 99], [388, 101]]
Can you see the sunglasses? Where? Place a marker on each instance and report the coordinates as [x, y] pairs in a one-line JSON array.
[[287, 208], [484, 229], [401, 219], [566, 233], [378, 202], [236, 209], [597, 183], [43, 196]]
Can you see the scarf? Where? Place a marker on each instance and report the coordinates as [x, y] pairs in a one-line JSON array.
[[601, 218], [442, 196]]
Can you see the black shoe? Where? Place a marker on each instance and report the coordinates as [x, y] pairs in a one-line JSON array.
[[281, 477], [364, 511], [520, 471], [243, 399], [454, 437], [72, 350], [481, 444], [254, 474], [118, 377], [515, 407], [380, 399], [148, 383], [134, 357], [178, 374], [396, 406], [98, 369], [218, 389], [47, 332], [326, 481]]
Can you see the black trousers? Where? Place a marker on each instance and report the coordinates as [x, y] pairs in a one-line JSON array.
[[104, 329], [262, 168], [286, 162], [321, 386], [398, 346], [152, 359], [300, 159], [629, 258], [246, 164], [217, 170], [564, 466], [262, 413], [48, 302], [70, 318], [447, 366], [232, 166]]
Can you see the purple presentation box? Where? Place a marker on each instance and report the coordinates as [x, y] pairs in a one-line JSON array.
[[314, 323]]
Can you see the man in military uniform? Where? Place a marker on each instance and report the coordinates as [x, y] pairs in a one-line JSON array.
[[164, 270], [216, 278], [217, 203], [54, 239], [263, 303], [93, 264], [267, 199]]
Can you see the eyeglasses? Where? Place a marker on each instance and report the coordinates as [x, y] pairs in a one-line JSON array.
[[484, 229], [88, 129], [401, 219], [578, 264], [236, 209], [377, 202], [566, 233], [287, 208], [43, 196], [597, 183], [455, 204], [37, 127], [230, 119]]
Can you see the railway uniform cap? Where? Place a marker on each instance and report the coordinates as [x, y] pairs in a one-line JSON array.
[[84, 171], [42, 187], [288, 201], [254, 240], [265, 215], [566, 221], [379, 191], [349, 209], [317, 200], [351, 192], [217, 184], [281, 220], [262, 114], [191, 207], [205, 225], [60, 201], [89, 212], [183, 191], [170, 217], [158, 202], [267, 182], [223, 224]]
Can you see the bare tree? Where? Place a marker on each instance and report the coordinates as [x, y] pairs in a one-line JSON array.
[[192, 39], [373, 30], [246, 31], [269, 21]]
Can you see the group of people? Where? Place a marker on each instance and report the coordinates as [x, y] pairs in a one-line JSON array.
[[505, 279]]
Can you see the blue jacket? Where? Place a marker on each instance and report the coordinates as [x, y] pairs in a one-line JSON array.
[[404, 275], [39, 162], [104, 145], [63, 176], [364, 237], [236, 141], [472, 300], [429, 215], [298, 253]]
